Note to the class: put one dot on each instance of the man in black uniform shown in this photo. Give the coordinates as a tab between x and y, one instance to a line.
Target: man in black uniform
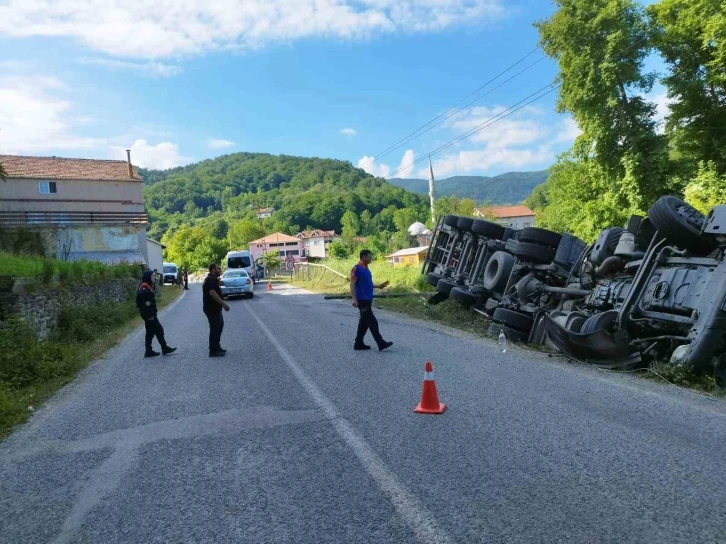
213	305
146	303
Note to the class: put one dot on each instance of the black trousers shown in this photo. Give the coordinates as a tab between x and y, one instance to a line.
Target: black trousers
154	328
367	321
186	284
216	326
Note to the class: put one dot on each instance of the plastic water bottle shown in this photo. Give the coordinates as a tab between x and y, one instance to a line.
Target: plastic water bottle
502	341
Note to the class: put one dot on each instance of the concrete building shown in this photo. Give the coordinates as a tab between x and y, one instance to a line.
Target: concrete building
83	208
154	255
284	244
518	217
412	256
317	242
421	233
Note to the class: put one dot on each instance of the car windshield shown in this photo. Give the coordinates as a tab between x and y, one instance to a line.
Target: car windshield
170	270
238	262
236	274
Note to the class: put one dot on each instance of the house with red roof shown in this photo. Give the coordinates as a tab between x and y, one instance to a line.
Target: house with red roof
518	217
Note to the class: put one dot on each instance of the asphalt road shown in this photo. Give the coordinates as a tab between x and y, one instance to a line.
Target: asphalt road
294	437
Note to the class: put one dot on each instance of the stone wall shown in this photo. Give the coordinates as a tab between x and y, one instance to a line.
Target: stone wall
41	307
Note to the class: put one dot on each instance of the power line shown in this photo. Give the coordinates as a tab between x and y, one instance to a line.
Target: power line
415	134
537	95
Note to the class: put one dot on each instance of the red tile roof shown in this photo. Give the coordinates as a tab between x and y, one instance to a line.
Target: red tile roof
274	238
520	210
317	232
17	166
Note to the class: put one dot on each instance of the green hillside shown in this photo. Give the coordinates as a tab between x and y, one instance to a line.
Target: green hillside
509	188
203	209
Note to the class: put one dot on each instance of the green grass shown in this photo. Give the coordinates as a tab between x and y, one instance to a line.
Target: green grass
31	371
402	280
45	270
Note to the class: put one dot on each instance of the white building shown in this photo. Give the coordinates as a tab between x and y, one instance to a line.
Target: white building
317	242
265	213
154	255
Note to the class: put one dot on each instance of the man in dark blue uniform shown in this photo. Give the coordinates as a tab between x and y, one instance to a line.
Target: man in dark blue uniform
146	303
361	289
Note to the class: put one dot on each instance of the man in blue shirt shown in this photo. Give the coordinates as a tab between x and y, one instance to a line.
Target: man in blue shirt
361	289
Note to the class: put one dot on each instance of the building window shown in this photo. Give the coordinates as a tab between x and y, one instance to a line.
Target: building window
527	224
293	252
410	259
48	188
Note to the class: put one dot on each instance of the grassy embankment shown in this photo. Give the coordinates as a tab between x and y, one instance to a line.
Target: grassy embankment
402	280
31	370
450	313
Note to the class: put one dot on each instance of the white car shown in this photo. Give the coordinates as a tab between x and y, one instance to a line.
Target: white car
237	283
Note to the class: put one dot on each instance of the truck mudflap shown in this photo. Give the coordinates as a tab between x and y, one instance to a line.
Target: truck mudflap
600	347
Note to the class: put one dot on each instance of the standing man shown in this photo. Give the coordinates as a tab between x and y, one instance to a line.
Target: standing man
213	306
186	280
361	289
180	278
157	283
146	303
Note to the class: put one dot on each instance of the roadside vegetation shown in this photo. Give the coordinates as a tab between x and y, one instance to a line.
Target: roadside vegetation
32	370
47	270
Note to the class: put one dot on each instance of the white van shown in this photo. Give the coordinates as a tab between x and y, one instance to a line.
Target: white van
241	259
170	271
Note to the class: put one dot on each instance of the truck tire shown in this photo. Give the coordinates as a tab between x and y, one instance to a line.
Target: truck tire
599	322
464	224
432	279
488	229
680	224
542	237
463	297
534	253
451	220
445	286
497	271
513	320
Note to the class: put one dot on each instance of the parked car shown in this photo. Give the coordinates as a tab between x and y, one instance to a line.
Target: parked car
170	272
237	283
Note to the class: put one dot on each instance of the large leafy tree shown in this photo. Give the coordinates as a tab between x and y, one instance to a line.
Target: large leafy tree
600	46
691	37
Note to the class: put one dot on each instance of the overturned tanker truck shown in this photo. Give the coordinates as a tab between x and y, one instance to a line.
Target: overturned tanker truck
653	289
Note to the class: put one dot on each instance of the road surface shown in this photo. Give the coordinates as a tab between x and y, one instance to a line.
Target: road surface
296	438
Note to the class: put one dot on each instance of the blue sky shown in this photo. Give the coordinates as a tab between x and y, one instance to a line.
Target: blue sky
178	82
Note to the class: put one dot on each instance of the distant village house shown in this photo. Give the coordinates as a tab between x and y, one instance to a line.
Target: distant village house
284	244
518	217
265	213
412	256
317	242
82	208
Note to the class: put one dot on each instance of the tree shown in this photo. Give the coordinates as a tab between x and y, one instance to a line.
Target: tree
404	218
691	37
707	189
601	46
242	232
350	225
365	222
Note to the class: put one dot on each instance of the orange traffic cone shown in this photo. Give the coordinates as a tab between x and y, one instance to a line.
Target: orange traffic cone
269	285
429	397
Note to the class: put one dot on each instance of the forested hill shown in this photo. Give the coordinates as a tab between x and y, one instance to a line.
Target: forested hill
305	192
509	188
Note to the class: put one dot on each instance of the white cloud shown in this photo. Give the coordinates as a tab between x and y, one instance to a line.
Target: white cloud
569	131
149	68
405	169
377	169
349	132
164	28
160	156
478	160
36	116
497	130
662	109
220	144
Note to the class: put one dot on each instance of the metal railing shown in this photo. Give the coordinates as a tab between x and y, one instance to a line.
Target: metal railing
29	219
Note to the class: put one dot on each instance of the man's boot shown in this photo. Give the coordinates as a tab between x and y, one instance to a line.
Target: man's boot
151	353
360	347
384	345
166	350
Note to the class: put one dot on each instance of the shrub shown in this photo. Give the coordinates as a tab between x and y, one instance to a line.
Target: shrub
48	270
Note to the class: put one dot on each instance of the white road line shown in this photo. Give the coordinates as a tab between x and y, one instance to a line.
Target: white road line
418	518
